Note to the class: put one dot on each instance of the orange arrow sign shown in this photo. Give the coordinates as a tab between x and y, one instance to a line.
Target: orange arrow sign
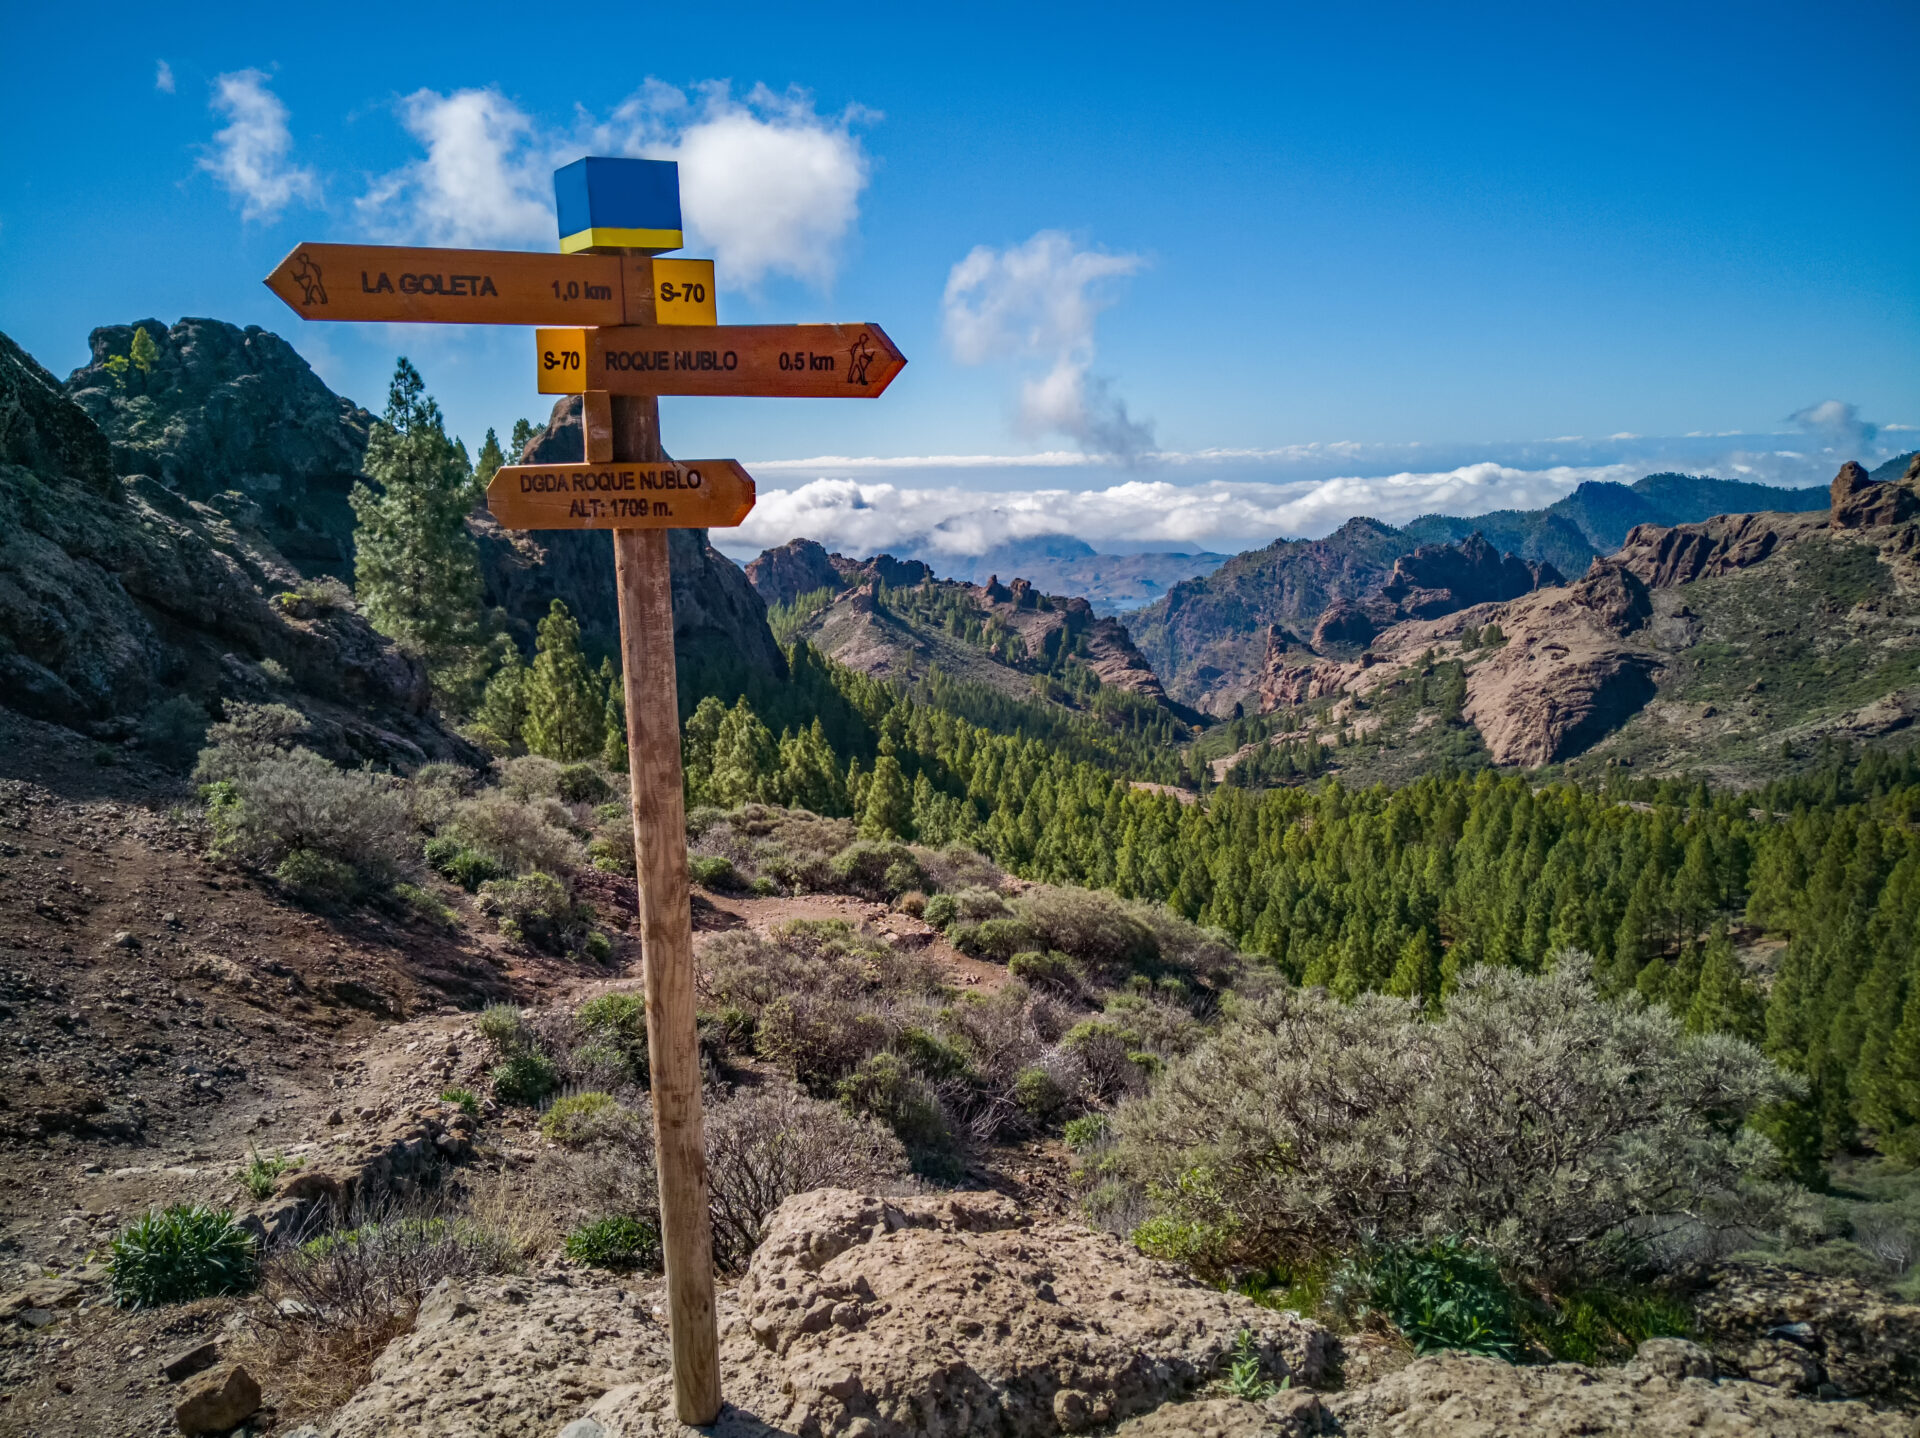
820	361
490	287
672	494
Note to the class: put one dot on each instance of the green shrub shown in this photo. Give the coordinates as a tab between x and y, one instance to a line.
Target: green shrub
1087	1133
715	871
524	1078
173	731
260	1175
1053	971
928	1054
616	1243
1445	1295
534	909
518	836
1091	926
1603	1325
318	878
1039	1094
939	911
464	1099
469	868
879	870
583	784
504	1027
180	1253
884	1088
268	805
619	1021
597	947
422	905
581	1119
998	939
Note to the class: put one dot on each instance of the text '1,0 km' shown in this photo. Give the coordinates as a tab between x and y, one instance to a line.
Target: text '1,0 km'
491	287
816	361
671	494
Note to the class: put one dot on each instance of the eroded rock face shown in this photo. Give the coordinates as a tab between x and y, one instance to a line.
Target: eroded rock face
956	1315
1437	579
1860	502
515	1359
226	408
798	567
116	593
1800	1330
1564	679
719	623
1452	1394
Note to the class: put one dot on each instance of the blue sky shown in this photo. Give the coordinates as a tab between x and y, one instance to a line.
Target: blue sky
1213	268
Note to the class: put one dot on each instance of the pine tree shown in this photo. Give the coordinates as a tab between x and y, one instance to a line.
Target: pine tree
1723	1000
888	813
503	706
565	708
745	758
698	736
613	750
142	353
489	462
416	571
524	431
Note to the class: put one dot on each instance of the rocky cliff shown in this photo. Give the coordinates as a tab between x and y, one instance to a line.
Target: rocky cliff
225	409
1696	645
118	592
720	634
802	566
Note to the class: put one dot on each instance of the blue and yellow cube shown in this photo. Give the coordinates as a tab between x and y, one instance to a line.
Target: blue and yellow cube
607	204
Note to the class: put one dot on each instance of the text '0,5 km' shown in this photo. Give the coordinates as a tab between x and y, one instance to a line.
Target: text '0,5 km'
672	494
817	361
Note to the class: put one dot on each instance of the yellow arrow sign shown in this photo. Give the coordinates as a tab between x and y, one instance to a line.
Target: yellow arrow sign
672	494
820	361
491	287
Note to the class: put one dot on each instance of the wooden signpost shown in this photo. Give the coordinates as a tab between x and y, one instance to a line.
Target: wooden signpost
621	339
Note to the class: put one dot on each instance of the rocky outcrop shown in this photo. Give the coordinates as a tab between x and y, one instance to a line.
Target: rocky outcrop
230	409
1662	558
514	1359
118	592
1861	502
957	1315
1811	1334
1564	679
1344	623
1437	579
1653	1397
798	567
720	634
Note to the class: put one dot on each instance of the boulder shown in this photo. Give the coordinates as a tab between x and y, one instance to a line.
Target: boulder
219	1402
1452	1394
1861	502
958	1315
1803	1331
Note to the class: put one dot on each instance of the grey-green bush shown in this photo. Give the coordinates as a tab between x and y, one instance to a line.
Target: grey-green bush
1555	1130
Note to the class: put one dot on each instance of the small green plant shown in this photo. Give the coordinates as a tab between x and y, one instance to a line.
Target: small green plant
617	1243
713	871
1086	1133
1603	1325
463	1099
469	868
524	1079
420	904
260	1175
1446	1295
180	1253
1244	1378
502	1027
619	1022
318	878
580	1118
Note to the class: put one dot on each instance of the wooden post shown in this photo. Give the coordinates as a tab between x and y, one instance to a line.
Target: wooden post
666	926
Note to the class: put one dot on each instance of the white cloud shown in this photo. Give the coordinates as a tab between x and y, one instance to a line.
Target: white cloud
1838	423
250	156
768	186
865	517
163	77
1039	300
482	181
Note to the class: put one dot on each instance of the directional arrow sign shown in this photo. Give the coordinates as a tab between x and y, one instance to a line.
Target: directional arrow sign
672	494
490	287
820	361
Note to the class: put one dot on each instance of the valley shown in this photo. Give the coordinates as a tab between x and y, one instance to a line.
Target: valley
1109	1022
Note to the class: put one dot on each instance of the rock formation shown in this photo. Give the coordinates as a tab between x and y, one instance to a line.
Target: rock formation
117	593
798	567
231	409
1860	502
720	634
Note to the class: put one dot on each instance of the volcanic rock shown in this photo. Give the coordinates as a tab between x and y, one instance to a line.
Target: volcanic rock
1860	502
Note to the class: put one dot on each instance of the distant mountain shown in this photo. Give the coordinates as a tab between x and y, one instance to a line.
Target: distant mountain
1060	564
1695	648
1207	639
